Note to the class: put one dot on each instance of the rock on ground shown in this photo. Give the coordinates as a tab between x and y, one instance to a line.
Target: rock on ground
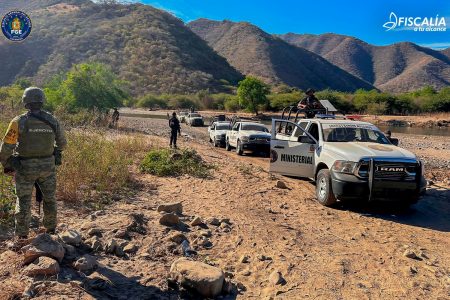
130	248
71	237
85	263
204	279
169	219
43	265
171	208
43	245
177	237
276	278
281	185
213	221
197	221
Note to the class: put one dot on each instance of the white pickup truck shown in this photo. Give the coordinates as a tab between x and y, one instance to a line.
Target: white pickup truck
349	160
248	136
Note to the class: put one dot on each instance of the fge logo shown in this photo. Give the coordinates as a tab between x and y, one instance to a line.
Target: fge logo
16	26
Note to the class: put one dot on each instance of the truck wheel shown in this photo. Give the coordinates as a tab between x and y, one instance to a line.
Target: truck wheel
210	140
324	191
227	146
216	143
239	150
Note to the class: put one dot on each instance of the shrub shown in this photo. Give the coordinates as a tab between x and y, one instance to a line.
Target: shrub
151	101
93	161
164	162
86	86
232	104
280	101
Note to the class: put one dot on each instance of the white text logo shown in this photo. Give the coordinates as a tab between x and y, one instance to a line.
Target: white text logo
415	23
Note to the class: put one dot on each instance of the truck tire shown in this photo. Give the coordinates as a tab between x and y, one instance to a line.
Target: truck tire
324	190
227	146
216	143
239	150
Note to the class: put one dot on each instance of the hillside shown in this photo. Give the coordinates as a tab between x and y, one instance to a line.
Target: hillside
396	68
252	51
446	52
149	48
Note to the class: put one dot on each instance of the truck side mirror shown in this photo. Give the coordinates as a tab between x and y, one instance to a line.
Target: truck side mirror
394	141
304	139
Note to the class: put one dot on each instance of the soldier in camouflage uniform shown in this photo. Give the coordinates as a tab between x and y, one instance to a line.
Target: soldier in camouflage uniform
29	148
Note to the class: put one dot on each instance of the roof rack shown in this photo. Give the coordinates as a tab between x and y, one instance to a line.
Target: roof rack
292	113
236	119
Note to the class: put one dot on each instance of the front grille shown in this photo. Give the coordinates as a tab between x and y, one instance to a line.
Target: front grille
389	170
260	140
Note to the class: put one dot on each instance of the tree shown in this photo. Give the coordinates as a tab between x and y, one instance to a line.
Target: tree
252	93
86	86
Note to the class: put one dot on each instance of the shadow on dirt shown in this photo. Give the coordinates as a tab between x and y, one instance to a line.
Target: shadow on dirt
114	285
432	211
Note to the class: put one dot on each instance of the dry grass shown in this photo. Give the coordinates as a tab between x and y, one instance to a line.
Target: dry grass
95	163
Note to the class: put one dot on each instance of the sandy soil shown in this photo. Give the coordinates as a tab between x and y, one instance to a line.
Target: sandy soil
348	252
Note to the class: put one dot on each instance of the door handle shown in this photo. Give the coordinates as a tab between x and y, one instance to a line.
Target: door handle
279	147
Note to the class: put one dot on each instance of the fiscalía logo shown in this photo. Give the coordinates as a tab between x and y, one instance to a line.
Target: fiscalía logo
16	26
415	23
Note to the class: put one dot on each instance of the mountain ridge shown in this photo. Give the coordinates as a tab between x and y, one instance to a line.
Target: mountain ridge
149	48
254	52
398	67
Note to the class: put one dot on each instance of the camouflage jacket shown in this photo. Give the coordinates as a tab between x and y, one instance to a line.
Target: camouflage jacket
31	137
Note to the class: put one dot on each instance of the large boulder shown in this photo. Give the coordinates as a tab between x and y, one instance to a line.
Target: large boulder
204	279
171	208
43	245
43	265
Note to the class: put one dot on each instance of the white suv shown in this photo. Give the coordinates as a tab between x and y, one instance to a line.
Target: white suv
217	132
248	136
347	159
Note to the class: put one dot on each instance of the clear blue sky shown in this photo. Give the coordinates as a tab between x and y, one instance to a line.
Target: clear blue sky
361	19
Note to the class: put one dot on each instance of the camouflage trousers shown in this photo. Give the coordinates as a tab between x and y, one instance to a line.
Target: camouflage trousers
43	172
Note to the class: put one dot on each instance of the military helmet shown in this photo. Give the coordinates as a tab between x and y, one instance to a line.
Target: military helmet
310	91
33	95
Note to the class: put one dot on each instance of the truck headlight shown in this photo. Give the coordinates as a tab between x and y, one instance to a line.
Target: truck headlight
245	138
344	166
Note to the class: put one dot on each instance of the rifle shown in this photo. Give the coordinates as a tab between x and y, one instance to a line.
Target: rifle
39	196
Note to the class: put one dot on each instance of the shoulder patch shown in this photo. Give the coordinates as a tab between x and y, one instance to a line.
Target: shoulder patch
12	134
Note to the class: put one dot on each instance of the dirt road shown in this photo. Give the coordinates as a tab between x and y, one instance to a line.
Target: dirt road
322	253
348	253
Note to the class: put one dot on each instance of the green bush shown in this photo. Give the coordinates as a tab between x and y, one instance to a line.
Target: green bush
86	86
231	104
280	101
164	162
152	101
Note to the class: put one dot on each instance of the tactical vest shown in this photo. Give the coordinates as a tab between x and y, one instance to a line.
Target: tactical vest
36	138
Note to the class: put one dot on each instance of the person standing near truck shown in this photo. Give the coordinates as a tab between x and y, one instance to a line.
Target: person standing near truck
309	103
175	130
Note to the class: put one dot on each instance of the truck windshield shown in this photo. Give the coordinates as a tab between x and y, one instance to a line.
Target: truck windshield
254	127
223	127
194	115
354	134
